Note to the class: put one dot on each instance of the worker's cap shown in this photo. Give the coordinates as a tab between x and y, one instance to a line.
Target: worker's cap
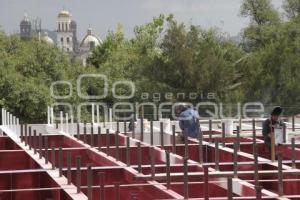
276	110
181	107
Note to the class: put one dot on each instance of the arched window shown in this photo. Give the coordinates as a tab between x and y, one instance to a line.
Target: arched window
68	40
62	40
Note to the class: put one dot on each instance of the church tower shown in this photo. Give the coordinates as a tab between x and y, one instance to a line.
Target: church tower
25	27
74	31
65	31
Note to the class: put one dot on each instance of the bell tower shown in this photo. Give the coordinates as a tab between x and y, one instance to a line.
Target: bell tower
65	31
25	27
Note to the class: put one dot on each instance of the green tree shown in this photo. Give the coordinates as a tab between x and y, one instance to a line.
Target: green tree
27	68
112	43
166	56
264	22
271	70
292	8
260	12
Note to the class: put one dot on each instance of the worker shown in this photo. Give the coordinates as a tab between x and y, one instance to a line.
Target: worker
270	124
189	121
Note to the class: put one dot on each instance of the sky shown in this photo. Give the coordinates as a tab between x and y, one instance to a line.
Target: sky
104	15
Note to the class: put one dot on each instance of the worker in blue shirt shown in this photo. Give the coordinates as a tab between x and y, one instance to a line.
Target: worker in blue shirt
189	122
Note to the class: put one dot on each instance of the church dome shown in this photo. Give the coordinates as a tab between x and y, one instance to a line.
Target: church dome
90	41
47	39
64	14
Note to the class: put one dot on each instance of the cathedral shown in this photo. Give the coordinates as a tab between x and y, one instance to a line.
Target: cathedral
64	37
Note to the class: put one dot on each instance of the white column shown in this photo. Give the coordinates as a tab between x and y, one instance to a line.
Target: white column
18	126
67	123
240	124
52	116
167	124
48	115
61	121
14	124
97	110
6	118
11	121
110	118
2	116
105	120
72	125
93	113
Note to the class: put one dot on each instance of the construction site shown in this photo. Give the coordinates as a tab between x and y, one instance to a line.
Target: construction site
63	160
150	100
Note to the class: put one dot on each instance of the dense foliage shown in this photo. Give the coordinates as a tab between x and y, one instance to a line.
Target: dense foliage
271	71
27	69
